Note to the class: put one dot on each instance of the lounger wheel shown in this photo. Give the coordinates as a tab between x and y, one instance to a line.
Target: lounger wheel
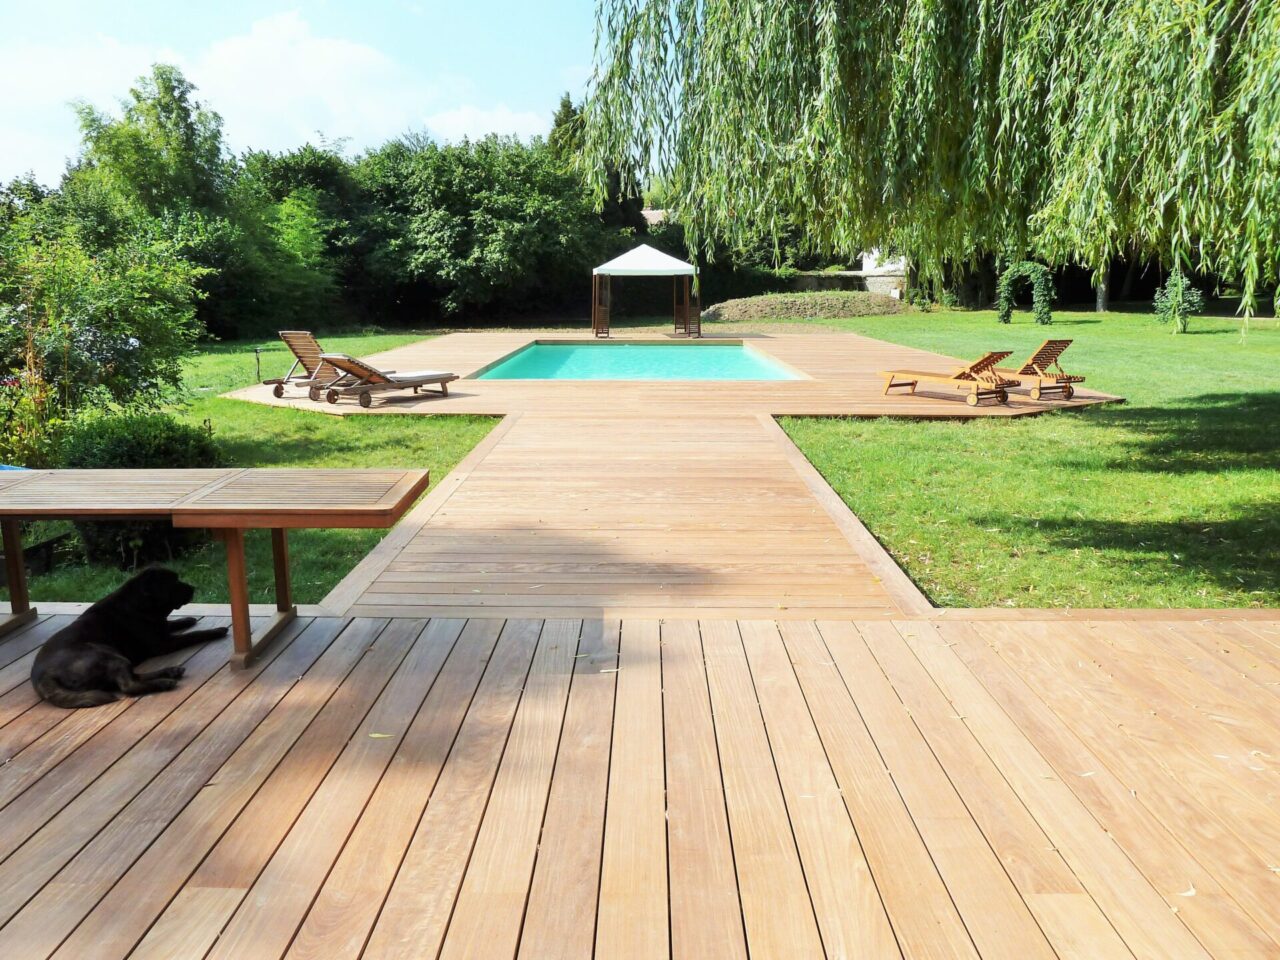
1068	392
366	399
1035	393
278	391
314	394
1003	396
971	399
331	396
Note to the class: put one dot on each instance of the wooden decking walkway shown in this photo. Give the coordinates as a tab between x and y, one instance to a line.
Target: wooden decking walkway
1042	787
614	516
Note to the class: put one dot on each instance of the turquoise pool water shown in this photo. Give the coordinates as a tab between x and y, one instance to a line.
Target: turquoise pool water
637	361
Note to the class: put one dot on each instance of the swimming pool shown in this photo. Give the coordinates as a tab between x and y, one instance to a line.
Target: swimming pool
637	361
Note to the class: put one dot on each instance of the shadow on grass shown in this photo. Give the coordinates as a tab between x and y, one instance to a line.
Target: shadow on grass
1214	431
1241	554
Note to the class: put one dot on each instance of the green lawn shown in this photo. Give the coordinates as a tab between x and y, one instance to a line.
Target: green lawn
1169	500
1172	499
254	436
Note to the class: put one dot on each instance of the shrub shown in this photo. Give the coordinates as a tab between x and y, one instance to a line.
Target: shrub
819	305
1041	291
1177	300
136	441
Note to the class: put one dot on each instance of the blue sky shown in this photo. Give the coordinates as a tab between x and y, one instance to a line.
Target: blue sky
278	73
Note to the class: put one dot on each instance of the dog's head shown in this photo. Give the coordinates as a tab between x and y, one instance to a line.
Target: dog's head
161	590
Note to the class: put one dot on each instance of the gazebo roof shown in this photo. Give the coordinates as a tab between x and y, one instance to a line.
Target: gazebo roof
644	261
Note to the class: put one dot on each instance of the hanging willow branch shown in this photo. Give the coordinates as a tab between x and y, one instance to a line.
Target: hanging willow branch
1067	130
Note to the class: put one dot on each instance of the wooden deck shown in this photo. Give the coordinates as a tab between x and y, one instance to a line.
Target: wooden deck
612	516
1012	788
841	377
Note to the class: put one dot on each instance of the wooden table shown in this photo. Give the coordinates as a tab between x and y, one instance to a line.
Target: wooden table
226	501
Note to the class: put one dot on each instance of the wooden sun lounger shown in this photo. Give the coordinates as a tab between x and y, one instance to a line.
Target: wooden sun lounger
229	502
316	373
363	380
978	378
1043	372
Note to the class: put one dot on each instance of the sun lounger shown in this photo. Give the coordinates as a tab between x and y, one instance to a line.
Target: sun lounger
363	381
979	378
1043	373
316	374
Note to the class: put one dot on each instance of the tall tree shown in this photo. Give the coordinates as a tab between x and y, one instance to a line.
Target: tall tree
164	151
1070	130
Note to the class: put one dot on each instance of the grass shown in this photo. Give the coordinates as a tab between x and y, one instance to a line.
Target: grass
1169	500
257	436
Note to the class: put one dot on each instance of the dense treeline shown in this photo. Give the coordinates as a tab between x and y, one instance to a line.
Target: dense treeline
1072	131
158	236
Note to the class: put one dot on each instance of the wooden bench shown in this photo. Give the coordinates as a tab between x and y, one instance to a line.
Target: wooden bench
228	502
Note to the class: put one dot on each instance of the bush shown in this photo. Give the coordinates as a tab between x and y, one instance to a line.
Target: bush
1177	300
494	224
1042	292
819	305
136	441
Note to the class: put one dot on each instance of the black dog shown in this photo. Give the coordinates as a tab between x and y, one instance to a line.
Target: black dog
90	661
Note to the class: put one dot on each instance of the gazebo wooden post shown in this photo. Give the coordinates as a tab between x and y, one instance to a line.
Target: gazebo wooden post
601	293
686	321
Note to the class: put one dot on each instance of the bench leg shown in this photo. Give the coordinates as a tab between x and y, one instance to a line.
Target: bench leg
15	571
247	645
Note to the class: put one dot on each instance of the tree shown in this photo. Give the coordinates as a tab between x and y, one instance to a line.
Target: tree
565	138
164	151
1067	130
83	328
493	223
1177	301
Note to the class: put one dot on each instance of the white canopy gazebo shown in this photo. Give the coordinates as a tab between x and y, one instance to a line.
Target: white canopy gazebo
645	261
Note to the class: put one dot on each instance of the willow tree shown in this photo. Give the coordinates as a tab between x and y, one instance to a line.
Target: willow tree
1066	130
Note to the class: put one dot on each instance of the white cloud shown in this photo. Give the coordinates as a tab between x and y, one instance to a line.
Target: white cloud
276	86
474	122
280	83
38	130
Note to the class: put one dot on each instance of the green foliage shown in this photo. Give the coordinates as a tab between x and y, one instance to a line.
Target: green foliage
492	224
565	138
1041	291
83	327
1069	130
1177	300
136	441
164	152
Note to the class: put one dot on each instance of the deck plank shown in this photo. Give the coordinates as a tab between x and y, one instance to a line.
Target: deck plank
973	863
220	901
776	908
560	919
1153	826
490	908
348	903
315	716
706	914
417	909
633	918
924	918
850	912
1003	787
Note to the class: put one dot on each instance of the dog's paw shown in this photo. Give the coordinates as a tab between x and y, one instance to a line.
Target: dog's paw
222	631
166	683
173	673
